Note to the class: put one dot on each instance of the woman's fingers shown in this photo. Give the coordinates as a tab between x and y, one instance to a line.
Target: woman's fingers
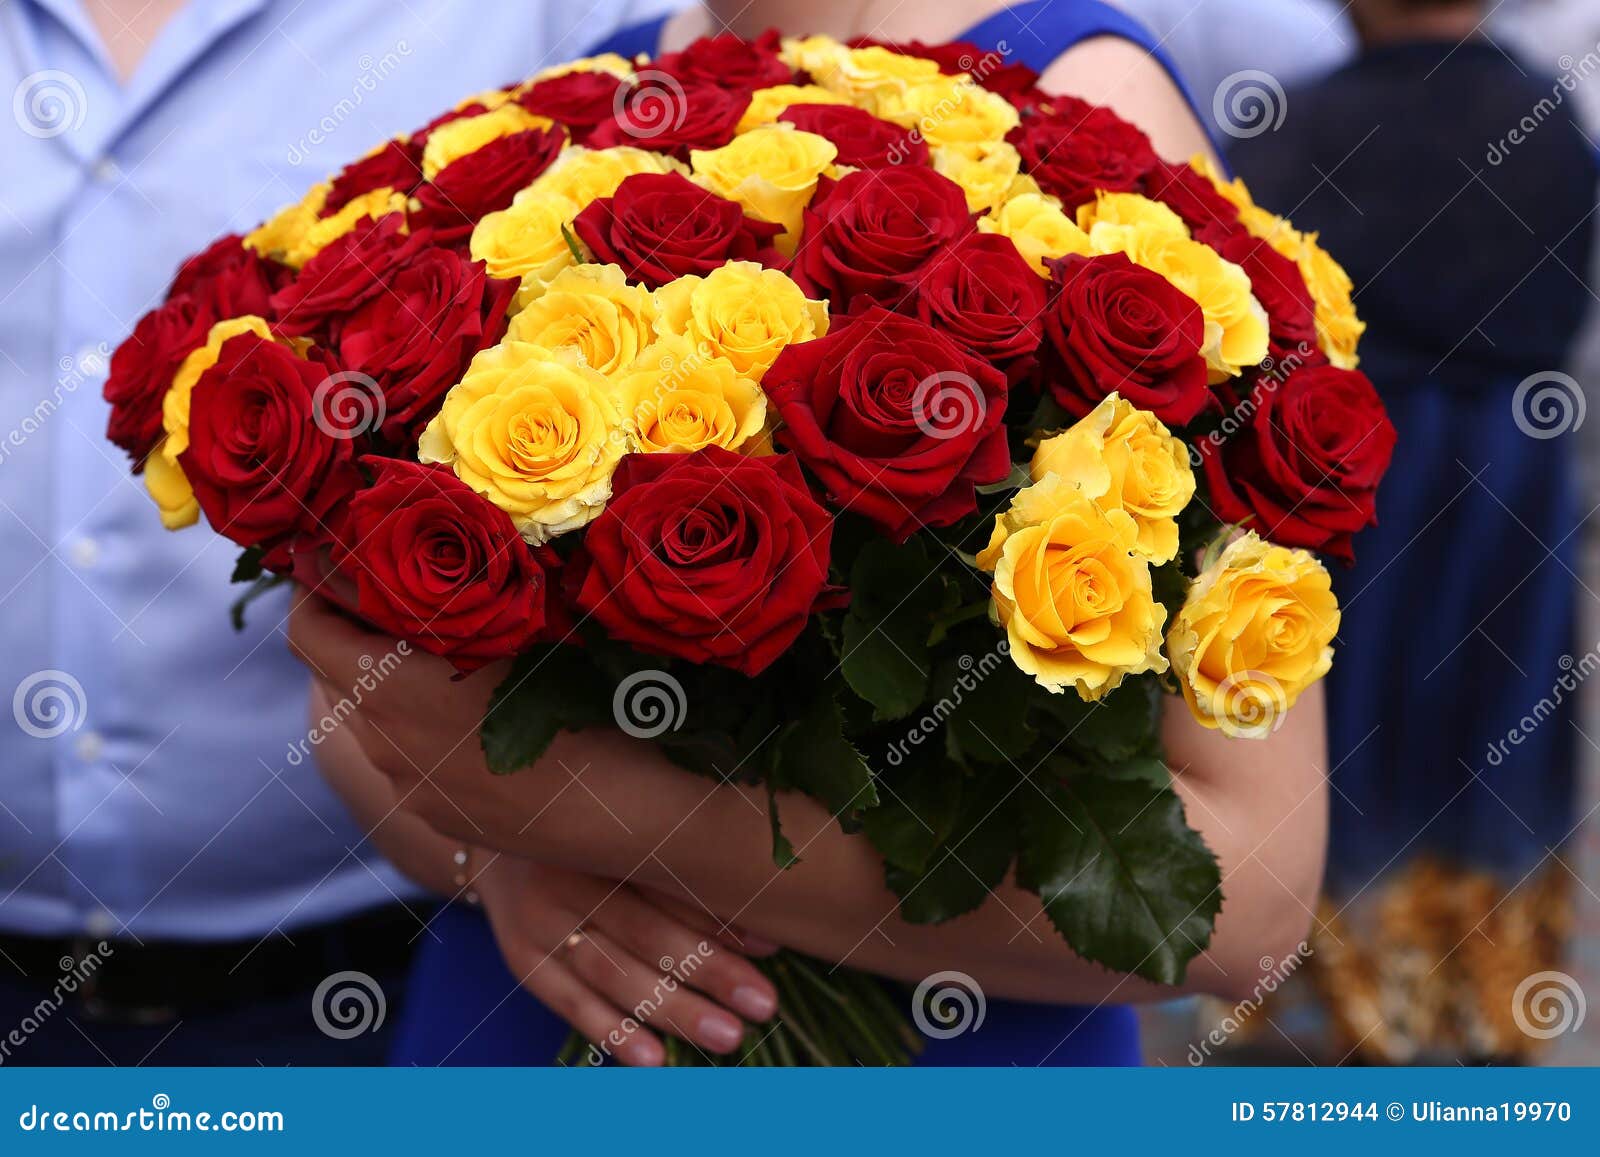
687	954
661	1000
560	989
741	940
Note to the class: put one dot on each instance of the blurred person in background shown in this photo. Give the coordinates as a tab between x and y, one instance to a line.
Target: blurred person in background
1292	42
1460	194
176	882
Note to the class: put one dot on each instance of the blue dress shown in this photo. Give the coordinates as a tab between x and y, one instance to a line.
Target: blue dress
463	1006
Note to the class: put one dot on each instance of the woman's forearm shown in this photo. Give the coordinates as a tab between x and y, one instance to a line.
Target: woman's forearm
406	840
603	803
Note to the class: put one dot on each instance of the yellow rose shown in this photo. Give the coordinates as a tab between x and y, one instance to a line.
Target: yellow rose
767	104
1338	328
1038	228
741	312
987	173
1236	323
1255	631
677	398
283	231
610	62
1234	192
170	489
950	111
1071	591
535	432
582	175
1127	211
870	76
323	231
771	171
593	311
817	55
1123	458
525	239
175	403
450	142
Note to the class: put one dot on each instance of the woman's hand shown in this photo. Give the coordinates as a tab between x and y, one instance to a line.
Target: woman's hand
616	962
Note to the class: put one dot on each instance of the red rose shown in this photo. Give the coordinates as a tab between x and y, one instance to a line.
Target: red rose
416	339
419	139
1191	195
1281	289
483	182
729	61
863	140
351	269
868	233
984	295
264	468
141	370
397	165
580	101
661	226
664	116
230	280
898	422
988	69
1076	149
711	557
435	564
1116	327
1306	472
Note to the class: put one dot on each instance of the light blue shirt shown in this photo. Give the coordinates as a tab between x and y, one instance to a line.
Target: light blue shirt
147	785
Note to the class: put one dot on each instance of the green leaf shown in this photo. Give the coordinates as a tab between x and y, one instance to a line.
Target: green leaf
989	700
1123	877
572	244
972	863
894	594
1123	724
260	586
1019	477
550	689
815	757
921	800
782	850
248	568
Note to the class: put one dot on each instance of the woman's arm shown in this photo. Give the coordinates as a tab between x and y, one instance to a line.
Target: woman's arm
1124	77
605	804
590	948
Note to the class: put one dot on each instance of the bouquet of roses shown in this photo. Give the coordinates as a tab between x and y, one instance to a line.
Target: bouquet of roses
850	420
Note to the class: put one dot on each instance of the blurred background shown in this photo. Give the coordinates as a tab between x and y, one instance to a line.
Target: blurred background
1446	151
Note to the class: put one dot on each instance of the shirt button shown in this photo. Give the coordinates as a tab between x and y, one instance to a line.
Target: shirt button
84	553
99	923
106	171
90	361
88	746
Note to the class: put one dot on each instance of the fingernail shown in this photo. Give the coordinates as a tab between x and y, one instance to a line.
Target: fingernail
754	1003
643	1052
756	945
719	1032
